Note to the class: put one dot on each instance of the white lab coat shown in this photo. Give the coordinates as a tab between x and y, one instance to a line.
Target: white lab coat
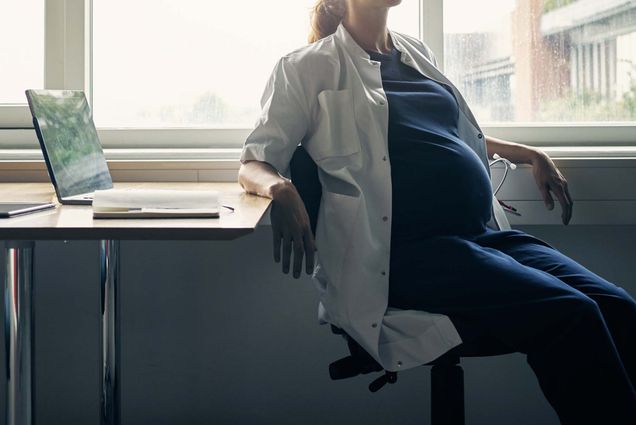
328	96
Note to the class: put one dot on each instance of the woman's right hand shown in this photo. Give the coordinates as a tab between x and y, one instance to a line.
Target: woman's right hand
291	228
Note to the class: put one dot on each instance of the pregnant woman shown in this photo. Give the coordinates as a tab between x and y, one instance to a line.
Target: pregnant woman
409	258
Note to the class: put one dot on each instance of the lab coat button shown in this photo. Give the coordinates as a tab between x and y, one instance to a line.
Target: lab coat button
385	218
383	273
399	363
480	135
381	102
374	325
384	158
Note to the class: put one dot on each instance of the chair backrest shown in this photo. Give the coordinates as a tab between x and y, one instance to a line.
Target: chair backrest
304	176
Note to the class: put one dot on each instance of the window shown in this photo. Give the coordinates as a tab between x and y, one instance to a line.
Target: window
190	73
194	63
21	57
21	49
543	61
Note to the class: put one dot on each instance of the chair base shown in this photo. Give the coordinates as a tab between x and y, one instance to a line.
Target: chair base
447	394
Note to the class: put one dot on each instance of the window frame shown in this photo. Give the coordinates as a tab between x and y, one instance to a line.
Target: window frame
68	35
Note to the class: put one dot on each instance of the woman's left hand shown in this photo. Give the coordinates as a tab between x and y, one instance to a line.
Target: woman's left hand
549	179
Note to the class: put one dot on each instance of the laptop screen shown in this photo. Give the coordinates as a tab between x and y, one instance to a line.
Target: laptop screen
69	141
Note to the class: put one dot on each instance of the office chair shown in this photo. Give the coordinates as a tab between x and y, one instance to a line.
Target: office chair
447	375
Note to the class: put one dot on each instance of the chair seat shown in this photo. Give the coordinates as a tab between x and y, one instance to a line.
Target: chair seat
485	346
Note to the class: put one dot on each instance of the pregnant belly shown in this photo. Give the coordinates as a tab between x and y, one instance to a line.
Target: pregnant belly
439	188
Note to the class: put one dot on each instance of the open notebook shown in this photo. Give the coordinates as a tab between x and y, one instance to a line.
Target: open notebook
155	203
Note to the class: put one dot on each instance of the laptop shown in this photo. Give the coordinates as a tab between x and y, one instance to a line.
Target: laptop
74	158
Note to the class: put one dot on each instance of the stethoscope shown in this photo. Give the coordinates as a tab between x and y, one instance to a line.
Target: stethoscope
507	166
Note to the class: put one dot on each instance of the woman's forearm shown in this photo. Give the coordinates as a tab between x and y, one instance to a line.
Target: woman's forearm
515	152
260	178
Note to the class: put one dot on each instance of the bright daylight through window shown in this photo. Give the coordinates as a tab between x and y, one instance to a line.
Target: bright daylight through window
196	63
21	49
543	60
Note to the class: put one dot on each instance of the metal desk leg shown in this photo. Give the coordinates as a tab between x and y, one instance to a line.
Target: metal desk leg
109	266
18	331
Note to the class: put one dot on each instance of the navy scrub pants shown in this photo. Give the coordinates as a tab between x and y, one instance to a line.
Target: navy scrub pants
577	329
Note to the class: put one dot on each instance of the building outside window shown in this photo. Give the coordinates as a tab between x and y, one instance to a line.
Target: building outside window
544	60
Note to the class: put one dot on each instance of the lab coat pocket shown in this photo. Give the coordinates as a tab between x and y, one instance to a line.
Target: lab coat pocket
336	231
335	133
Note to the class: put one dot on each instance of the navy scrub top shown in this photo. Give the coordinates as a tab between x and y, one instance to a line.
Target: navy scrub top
440	186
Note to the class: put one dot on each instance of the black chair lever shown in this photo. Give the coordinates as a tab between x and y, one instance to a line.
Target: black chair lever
387	378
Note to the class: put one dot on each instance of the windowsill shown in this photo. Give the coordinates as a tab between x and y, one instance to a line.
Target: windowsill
599	178
174	165
136	155
195	155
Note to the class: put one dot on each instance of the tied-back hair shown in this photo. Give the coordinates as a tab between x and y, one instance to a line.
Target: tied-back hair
326	15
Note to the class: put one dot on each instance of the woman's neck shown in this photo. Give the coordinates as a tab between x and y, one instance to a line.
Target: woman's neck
368	28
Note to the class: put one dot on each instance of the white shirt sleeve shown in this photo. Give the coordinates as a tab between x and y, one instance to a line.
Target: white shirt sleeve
283	122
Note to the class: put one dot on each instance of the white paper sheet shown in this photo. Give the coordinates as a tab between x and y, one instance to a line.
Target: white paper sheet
116	199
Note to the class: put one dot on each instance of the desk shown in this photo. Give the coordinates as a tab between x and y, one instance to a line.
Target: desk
75	223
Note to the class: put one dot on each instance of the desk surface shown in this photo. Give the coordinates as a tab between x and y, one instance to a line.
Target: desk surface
70	222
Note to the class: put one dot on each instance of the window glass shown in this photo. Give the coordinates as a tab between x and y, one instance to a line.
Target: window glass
21	49
543	60
191	63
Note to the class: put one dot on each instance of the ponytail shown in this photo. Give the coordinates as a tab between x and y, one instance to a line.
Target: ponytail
326	15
